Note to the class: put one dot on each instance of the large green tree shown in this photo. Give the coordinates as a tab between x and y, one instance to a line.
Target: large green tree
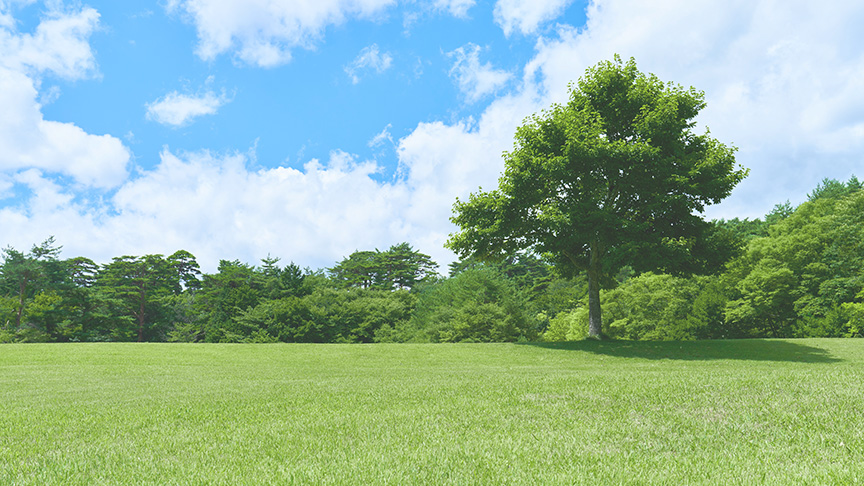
615	176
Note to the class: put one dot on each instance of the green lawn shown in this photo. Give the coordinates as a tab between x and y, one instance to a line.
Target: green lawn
718	412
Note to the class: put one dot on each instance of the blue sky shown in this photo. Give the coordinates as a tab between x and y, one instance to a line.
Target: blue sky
309	129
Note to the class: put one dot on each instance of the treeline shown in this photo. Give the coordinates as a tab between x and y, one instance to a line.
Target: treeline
797	272
370	296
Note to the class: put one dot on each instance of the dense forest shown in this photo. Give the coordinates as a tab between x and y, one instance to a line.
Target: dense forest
797	272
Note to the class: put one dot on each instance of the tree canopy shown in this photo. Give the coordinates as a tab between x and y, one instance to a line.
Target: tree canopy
400	267
799	273
614	177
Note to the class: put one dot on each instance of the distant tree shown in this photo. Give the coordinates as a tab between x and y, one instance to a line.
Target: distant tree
744	229
614	177
547	292
136	287
834	189
653	307
20	273
779	213
279	282
359	269
287	319
400	267
25	275
185	271
224	295
292	281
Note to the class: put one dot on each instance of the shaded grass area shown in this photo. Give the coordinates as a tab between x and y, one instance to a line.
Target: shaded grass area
716	412
751	350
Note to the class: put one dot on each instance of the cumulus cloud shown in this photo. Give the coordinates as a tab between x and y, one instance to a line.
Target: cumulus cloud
784	85
263	32
475	80
369	59
526	16
59	46
216	206
176	109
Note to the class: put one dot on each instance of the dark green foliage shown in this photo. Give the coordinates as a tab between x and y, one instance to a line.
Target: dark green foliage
650	306
744	229
796	281
706	319
477	305
135	289
548	293
615	177
400	267
653	307
797	272
278	283
287	319
24	274
224	296
41	293
834	189
800	274
356	315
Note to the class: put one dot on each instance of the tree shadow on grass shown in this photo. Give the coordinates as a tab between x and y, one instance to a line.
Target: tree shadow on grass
743	349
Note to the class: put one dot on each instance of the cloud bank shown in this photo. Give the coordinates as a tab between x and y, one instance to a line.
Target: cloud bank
785	83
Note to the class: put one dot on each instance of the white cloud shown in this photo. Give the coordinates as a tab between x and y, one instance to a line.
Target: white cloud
527	16
263	32
475	80
381	138
369	59
456	8
217	207
783	82
788	90
177	109
59	46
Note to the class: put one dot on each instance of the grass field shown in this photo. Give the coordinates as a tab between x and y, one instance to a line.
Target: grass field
718	412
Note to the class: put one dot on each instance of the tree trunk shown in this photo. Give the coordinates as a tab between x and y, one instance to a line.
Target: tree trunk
595	321
22	289
141	302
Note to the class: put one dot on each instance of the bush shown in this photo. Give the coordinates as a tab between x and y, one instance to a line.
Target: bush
568	326
477	305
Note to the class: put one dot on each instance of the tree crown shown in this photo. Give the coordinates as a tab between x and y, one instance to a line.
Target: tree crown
617	168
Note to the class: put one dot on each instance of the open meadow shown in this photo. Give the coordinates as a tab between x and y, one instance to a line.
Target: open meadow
613	412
